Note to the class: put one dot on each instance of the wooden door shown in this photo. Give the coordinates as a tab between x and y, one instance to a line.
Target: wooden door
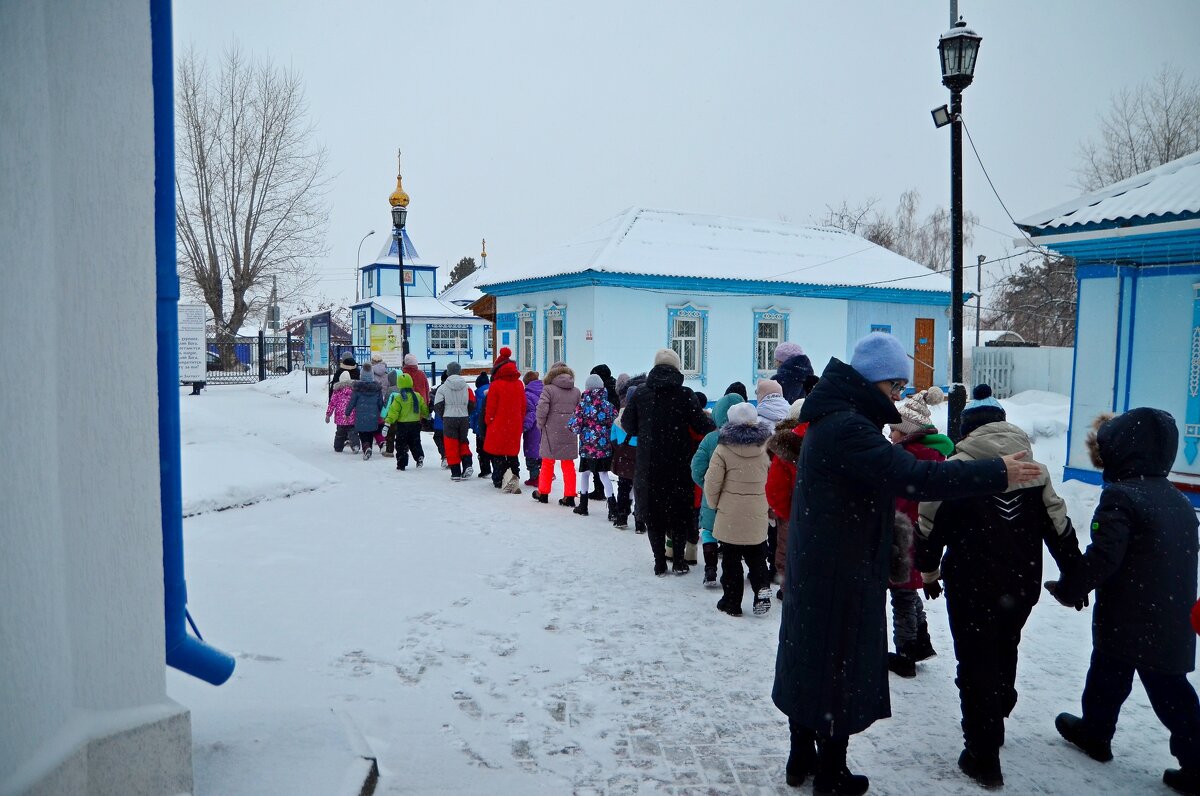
923	354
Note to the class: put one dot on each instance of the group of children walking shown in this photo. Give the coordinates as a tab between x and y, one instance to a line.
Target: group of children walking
986	550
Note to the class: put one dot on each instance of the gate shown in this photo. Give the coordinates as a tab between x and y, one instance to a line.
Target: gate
245	360
994	367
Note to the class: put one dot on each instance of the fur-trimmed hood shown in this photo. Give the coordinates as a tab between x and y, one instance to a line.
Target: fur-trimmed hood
785	442
749	439
560	370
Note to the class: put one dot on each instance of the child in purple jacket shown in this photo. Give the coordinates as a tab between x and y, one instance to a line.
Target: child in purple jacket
533	434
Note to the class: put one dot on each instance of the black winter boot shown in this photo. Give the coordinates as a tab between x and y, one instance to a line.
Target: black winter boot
901	665
540	498
1182	780
581	509
833	778
921	649
984	768
710	566
612	509
567	501
1074	730
802	759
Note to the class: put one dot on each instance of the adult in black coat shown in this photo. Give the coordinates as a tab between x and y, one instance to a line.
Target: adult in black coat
993	575
1142	564
831	667
794	370
346	365
660	415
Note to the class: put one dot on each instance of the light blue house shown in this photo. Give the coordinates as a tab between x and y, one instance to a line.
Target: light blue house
1136	246
439	330
722	291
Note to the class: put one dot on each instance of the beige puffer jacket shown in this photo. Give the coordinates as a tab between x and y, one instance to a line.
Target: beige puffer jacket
736	483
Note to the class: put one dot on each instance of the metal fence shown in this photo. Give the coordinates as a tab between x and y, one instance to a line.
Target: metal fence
244	360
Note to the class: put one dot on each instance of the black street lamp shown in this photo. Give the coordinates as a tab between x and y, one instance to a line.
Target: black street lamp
399	202
958	48
399	216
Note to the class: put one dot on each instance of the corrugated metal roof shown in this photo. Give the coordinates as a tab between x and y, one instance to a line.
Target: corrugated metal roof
1168	190
670	243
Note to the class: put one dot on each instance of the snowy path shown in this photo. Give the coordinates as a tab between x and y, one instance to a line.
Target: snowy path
487	644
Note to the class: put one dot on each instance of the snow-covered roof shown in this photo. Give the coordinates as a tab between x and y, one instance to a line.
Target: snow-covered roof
467	288
1170	189
421	307
990	336
670	243
387	255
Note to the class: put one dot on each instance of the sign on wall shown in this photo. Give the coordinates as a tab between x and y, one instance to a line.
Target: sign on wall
386	340
192	358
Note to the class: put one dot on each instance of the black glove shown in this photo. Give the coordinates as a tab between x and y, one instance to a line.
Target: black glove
933	590
1078	604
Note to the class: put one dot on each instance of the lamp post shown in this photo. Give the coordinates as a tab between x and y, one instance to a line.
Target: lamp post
399	202
399	216
358	264
958	48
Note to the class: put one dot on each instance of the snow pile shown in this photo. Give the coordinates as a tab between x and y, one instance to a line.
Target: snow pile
224	467
292	387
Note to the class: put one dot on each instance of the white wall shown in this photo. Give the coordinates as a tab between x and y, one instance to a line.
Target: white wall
1161	355
1095	358
81	598
1046	368
628	326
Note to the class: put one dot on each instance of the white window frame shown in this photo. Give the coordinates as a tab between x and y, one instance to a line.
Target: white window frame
764	346
526	343
449	338
697	338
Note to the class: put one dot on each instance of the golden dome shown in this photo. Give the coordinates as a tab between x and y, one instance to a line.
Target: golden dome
398	198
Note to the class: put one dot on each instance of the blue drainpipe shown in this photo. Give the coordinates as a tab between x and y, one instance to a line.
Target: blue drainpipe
185	653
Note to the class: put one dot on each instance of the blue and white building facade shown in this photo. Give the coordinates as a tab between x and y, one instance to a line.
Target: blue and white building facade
723	292
1136	246
439	330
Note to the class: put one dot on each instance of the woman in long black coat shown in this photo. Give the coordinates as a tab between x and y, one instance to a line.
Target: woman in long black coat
831	668
660	415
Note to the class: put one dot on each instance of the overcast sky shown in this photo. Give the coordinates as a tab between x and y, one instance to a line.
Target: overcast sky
528	121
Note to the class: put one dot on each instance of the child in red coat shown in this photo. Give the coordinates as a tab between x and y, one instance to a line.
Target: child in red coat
910	630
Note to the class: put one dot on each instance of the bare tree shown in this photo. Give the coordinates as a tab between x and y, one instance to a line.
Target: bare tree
250	186
1154	123
1037	301
924	240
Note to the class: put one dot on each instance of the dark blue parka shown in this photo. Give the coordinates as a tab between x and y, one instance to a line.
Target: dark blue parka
1142	559
366	402
831	667
791	376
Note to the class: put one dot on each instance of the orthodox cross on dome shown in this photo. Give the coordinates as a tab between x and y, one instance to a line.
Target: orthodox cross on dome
398	198
483	254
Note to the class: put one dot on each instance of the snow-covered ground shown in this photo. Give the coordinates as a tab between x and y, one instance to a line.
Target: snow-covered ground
482	643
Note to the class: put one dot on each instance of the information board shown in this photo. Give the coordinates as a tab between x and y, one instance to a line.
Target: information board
192	356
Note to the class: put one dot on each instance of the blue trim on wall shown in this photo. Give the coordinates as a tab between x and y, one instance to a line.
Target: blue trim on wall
1120	326
693	284
526	313
1150	249
1133	278
1144	271
1086	476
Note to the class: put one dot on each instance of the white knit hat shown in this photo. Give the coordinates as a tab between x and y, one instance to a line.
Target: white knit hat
743	414
667	356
